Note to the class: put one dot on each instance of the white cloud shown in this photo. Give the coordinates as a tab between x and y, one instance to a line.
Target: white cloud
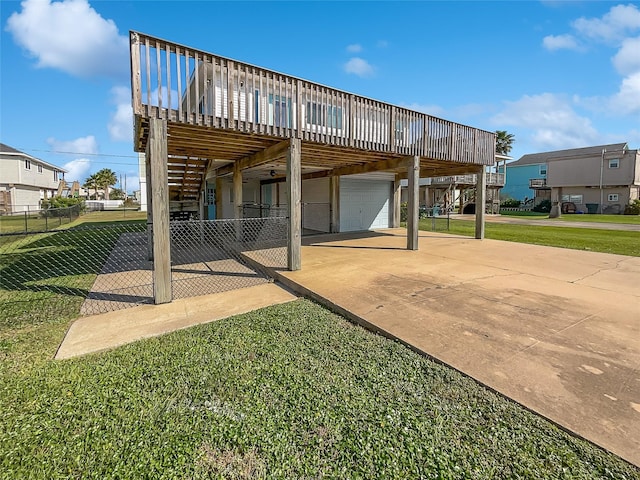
354	48
616	24
382	44
558	42
82	145
120	124
627	60
71	36
77	170
358	66
618	27
627	100
554	122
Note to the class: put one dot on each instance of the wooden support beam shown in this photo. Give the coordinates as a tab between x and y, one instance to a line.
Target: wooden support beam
380	165
397	201
481	195
413	172
157	159
294	188
267	155
237	191
147	167
334	204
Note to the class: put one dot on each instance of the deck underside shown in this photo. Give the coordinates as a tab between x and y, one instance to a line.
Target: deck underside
194	149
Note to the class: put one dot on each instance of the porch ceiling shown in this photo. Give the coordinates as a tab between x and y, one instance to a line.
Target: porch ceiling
194	149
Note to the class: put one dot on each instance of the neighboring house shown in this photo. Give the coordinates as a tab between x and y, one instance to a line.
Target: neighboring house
598	179
25	180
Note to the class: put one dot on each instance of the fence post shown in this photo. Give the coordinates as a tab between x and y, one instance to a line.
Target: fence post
26	220
46	221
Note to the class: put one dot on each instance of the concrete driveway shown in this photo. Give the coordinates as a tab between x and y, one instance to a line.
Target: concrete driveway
557	330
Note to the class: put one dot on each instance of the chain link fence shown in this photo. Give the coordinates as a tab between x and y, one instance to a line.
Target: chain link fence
89	269
211	256
95	269
434	219
38	219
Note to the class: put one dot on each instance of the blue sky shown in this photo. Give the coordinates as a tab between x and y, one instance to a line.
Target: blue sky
555	74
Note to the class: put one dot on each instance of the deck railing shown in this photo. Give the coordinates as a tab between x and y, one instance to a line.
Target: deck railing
493	179
537	183
186	85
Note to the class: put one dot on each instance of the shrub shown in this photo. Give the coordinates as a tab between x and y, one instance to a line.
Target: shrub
510	203
61	206
544	206
633	208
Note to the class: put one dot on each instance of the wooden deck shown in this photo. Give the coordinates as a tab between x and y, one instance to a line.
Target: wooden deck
220	111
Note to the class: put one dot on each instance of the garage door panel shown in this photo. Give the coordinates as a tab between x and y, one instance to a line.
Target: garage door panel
364	204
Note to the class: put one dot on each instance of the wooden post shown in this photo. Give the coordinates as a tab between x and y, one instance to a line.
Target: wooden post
294	180
237	190
157	159
147	167
136	89
481	194
413	176
397	201
334	204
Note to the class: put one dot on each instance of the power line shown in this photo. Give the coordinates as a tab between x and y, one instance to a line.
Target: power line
81	153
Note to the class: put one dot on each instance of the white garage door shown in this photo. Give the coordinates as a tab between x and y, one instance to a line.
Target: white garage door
364	204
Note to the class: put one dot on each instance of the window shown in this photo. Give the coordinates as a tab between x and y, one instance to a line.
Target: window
614	163
543	169
324	115
27	164
612	197
39	168
279	111
577	199
55	175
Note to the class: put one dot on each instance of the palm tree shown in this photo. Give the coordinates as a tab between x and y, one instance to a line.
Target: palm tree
91	182
504	141
105	179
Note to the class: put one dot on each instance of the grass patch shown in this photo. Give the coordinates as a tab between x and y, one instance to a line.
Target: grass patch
46	277
31	222
597	218
606	241
110	216
290	391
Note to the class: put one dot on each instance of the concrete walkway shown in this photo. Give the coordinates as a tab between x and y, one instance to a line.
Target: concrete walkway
112	329
548	222
557	330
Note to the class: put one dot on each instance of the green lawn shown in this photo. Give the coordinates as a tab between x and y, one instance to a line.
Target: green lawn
524	213
290	391
596	218
607	241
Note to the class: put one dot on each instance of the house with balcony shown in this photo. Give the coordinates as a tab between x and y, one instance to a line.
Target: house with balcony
223	139
26	180
597	179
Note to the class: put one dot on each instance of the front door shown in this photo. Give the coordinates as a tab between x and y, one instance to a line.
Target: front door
211	201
